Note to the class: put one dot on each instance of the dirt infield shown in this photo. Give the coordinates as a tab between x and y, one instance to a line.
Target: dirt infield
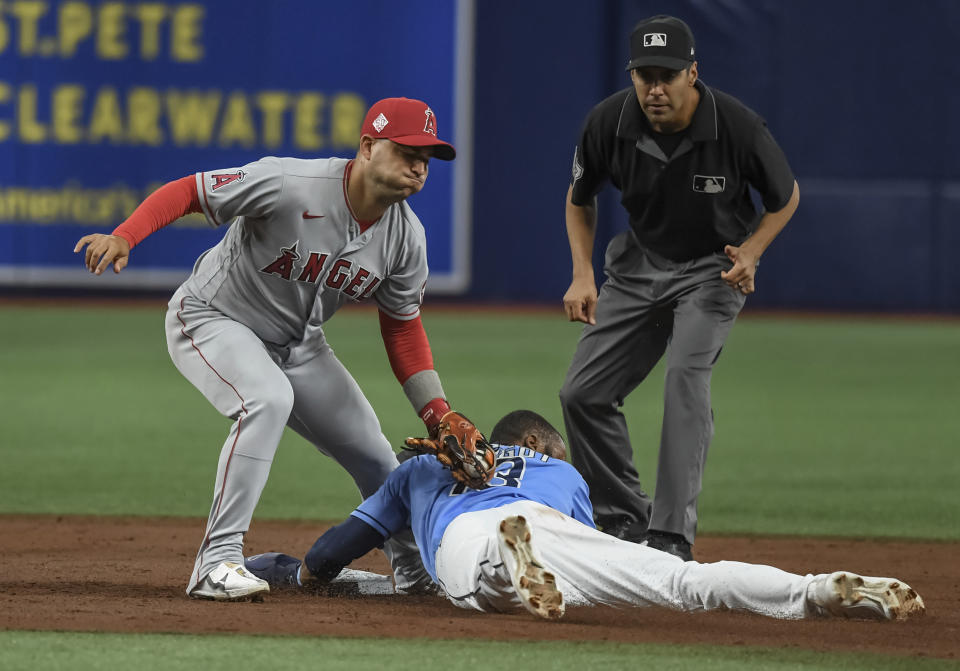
127	575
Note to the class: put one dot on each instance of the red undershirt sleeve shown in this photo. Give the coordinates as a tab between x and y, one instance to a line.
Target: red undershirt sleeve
164	206
407	346
412	362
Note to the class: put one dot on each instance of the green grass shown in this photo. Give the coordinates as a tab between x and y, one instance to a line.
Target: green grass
51	651
823	426
837	426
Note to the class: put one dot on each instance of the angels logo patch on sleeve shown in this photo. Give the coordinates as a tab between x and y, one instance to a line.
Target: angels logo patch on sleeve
222	179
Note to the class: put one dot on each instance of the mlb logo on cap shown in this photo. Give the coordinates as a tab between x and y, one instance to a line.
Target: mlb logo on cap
655	40
661	41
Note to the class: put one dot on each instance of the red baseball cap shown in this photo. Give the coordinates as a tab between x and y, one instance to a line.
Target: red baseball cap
406	121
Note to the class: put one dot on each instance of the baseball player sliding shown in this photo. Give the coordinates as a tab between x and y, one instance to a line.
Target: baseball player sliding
528	539
246	328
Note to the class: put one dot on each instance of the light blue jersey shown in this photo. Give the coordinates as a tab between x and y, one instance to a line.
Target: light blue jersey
422	494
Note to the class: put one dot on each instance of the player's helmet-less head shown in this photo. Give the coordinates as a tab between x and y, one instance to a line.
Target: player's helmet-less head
661	41
521	426
408	122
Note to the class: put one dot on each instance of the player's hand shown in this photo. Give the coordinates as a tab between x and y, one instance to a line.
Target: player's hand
580	301
102	250
740	277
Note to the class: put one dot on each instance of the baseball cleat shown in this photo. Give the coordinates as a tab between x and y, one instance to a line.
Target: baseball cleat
849	595
230	582
623	527
279	570
536	587
674	544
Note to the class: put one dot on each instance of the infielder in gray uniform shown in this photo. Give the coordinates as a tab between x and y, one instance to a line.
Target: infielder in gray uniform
684	157
246	328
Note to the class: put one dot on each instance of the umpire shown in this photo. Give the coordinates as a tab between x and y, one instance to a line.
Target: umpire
683	157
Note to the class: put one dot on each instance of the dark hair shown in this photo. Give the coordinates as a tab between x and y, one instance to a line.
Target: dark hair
517	425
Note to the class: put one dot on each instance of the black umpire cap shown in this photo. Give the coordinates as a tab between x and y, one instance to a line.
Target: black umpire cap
661	41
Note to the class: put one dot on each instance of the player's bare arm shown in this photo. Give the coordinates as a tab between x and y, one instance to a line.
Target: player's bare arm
747	255
103	250
580	301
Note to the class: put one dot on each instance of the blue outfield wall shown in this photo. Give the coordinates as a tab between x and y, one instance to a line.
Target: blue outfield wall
861	95
102	102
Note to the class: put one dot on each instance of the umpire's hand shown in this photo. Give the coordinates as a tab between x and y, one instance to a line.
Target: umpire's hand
580	301
102	250
740	277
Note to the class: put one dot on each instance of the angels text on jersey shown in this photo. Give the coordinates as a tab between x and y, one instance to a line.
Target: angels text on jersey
350	278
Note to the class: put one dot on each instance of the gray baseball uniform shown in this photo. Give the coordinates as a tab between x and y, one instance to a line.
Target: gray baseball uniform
246	328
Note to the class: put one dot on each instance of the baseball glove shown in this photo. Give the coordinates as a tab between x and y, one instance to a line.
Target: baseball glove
461	447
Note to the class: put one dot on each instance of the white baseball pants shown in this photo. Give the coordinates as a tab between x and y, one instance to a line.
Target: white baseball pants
593	568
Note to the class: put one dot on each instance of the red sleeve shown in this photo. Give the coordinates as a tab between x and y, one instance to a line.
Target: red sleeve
409	352
164	206
407	346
